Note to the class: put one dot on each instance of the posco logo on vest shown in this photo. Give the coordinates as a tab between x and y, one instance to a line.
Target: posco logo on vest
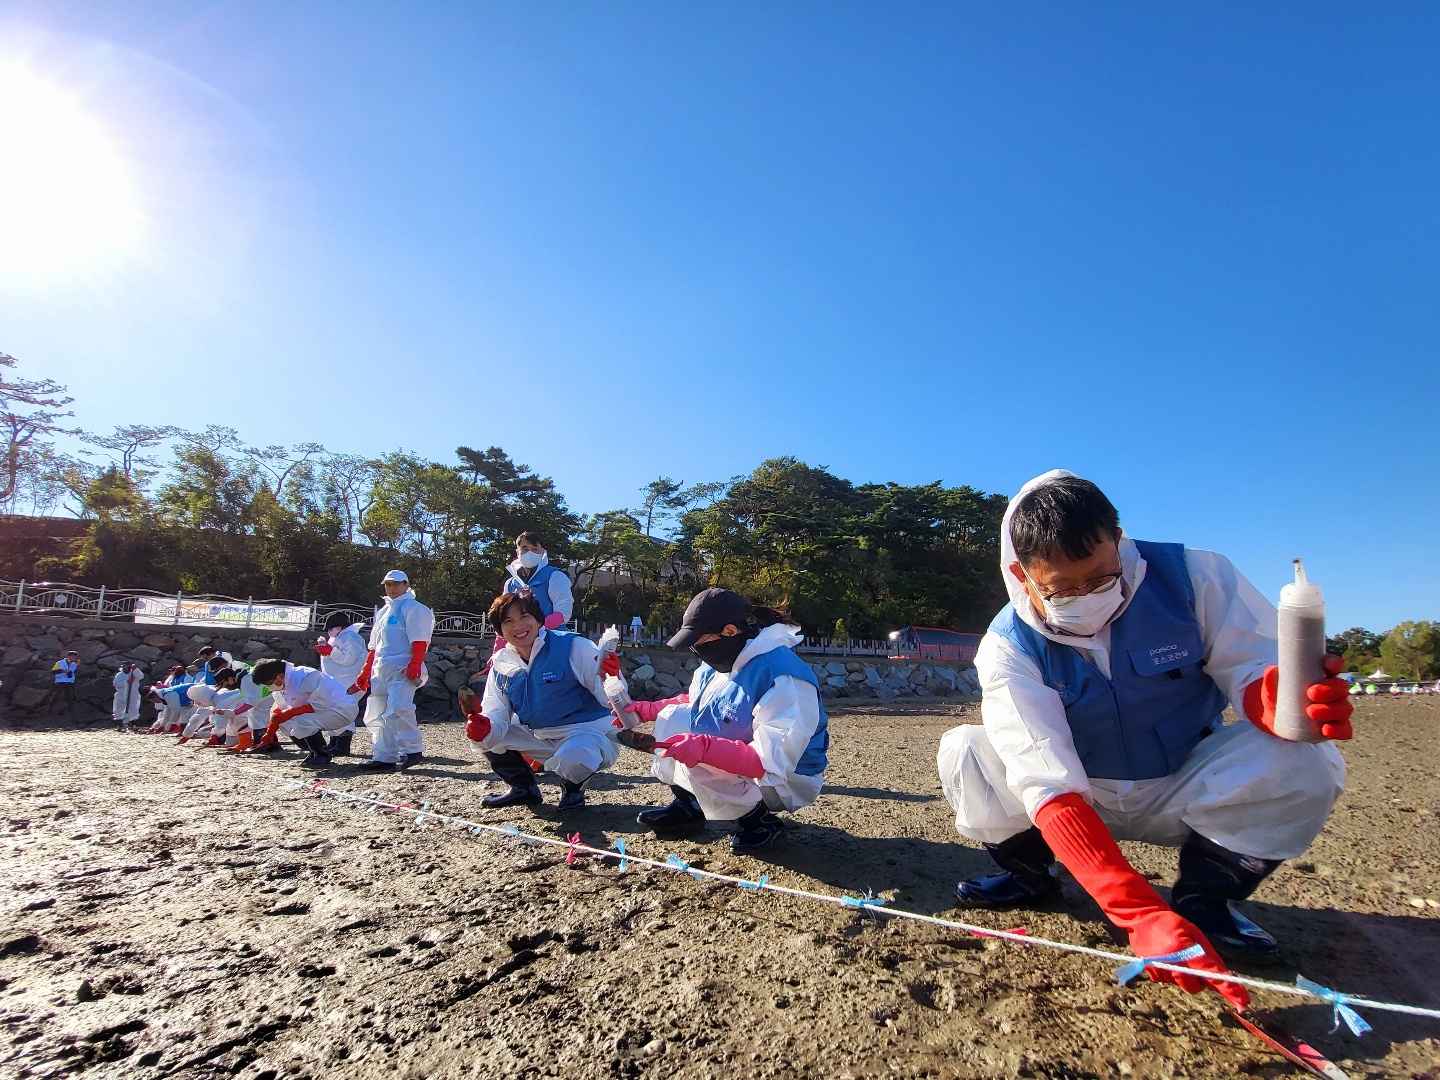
1168	654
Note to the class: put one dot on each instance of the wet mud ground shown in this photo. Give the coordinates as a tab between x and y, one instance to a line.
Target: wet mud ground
168	916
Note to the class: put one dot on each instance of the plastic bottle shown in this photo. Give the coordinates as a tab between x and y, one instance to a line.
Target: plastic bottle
617	691
1302	657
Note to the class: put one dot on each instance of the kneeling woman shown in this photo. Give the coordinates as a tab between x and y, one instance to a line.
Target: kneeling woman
545	698
751	736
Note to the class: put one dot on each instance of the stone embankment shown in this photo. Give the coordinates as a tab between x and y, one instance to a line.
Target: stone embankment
29	646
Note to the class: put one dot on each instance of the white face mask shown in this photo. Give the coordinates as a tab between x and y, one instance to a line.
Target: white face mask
1086	615
531	559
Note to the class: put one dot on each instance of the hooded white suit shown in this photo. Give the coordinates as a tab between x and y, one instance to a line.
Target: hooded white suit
390	712
1246	790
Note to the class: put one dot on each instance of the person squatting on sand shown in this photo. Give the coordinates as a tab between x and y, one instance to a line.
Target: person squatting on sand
750	737
306	704
1103	685
342	656
394	669
544	698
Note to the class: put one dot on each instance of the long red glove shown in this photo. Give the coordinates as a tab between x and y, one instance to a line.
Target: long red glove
1329	700
271	729
647	711
279	716
324	648
477	724
417	657
1080	840
362	681
610	663
554	621
727	755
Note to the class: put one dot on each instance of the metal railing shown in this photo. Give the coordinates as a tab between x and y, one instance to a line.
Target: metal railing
149	608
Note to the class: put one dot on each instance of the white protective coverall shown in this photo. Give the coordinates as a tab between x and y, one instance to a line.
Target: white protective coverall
260	701
334	709
390	712
1242	788
214	709
785	720
345	659
126	704
572	752
174	708
560	595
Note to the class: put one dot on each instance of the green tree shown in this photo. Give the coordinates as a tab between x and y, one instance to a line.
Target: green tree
29	410
1359	647
1412	650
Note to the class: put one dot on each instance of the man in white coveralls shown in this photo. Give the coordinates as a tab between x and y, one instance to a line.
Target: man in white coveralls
1103	683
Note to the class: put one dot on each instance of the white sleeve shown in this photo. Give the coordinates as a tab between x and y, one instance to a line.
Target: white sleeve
120	680
307	687
561	599
1026	722
1237	624
419	623
585	666
495	706
349	650
785	720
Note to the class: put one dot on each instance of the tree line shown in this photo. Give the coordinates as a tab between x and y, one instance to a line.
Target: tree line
1408	651
203	511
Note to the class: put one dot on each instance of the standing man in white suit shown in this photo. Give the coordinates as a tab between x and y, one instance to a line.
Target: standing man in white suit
393	671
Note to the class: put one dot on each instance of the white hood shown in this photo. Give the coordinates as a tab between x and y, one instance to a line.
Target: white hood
779	636
1131	565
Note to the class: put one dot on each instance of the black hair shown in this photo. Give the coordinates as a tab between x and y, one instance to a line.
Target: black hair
205	650
763	615
531	538
216	663
1066	516
338	619
229	674
528	606
267	671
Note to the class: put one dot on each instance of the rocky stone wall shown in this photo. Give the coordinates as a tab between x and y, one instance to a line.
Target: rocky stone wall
29	646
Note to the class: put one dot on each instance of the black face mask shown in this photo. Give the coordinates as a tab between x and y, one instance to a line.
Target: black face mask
722	653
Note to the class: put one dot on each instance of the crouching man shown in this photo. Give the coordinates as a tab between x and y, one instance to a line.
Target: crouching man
1103	683
306	704
545	698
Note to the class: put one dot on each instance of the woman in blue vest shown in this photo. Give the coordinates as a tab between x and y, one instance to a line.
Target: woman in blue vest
532	571
751	736
544	698
1104	684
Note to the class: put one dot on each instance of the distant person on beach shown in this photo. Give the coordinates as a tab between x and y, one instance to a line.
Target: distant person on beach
63	688
750	737
545	698
1104	681
128	690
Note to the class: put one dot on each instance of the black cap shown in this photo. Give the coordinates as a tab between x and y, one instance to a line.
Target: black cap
709	613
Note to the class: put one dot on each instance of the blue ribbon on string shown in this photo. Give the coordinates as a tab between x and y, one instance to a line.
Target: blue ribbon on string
863	902
681	864
1340	1003
754	884
478	830
1126	972
620	847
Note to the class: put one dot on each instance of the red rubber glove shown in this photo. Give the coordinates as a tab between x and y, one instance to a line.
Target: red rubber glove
417	658
1329	706
279	716
647	711
609	663
554	621
727	755
270	732
477	724
1080	840
362	681
324	648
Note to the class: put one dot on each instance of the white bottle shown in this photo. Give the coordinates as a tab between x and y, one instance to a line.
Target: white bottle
617	691
1302	657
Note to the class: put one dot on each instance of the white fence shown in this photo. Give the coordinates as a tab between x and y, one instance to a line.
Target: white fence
819	646
149	608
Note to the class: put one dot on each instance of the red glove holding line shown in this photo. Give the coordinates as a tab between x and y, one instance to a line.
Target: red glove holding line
727	755
417	658
609	663
1080	840
362	681
279	716
1329	706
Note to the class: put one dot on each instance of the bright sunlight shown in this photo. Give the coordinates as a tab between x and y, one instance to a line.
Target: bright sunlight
65	198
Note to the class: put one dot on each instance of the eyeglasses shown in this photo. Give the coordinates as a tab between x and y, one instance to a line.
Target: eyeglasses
1099	585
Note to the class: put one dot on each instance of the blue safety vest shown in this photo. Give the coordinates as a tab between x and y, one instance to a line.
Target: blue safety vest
1144	720
548	694
729	712
539	584
65	671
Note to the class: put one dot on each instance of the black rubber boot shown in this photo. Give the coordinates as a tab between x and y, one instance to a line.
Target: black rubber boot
757	830
512	768
682	813
374	765
340	744
1210	879
573	797
1029	877
319	756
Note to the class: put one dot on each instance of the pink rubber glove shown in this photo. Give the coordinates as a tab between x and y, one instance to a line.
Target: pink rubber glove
727	755
647	711
554	621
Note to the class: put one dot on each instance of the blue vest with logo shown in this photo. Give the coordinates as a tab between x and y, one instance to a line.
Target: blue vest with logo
548	694
539	584
1143	721
729	711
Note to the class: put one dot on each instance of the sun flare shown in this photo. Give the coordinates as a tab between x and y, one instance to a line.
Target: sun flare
65	195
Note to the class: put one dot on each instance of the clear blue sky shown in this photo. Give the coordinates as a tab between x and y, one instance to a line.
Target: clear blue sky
1190	252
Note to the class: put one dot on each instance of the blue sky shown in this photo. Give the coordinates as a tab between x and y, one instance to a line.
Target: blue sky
1191	253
